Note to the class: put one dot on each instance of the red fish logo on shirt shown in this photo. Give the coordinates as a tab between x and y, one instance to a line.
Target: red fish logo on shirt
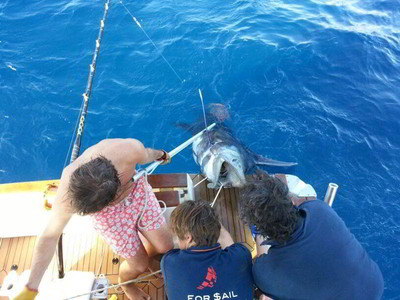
209	280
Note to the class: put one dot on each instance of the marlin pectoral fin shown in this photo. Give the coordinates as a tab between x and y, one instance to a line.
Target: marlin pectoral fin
261	160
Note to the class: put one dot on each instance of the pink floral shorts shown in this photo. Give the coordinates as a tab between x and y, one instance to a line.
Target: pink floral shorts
119	224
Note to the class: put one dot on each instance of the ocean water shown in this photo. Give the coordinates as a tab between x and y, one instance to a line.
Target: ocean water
317	82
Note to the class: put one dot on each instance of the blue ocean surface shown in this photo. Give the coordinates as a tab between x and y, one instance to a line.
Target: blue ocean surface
317	82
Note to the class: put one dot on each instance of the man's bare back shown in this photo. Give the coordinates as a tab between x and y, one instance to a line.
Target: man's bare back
122	155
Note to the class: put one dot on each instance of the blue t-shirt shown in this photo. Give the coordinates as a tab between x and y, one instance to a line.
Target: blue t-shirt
322	261
208	273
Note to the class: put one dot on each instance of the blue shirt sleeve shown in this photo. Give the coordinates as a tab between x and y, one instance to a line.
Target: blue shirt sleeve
242	255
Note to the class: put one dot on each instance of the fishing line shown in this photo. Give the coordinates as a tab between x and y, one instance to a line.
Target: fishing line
204	115
204	179
170	66
216	197
155	46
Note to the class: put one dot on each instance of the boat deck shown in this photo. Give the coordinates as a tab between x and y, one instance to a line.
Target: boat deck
86	251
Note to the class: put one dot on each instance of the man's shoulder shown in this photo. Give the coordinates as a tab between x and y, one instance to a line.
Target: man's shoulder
238	247
315	205
169	261
107	144
319	210
119	151
315	202
239	250
170	255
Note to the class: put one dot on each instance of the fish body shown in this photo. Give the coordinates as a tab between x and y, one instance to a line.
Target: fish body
222	158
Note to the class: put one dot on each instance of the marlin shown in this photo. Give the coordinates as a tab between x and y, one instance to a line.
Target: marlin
222	158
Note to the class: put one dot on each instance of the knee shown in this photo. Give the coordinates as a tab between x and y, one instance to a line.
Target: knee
165	247
143	266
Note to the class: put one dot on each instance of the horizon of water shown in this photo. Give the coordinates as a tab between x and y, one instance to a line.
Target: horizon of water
315	82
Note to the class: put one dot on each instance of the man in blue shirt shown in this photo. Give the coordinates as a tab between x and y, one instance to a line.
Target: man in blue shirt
305	252
208	265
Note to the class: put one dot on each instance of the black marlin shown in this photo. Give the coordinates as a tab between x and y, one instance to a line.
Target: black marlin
223	159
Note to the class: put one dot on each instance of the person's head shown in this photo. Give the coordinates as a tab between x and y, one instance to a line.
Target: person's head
93	186
264	202
196	224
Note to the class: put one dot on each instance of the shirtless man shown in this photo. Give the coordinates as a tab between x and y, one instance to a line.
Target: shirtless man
99	184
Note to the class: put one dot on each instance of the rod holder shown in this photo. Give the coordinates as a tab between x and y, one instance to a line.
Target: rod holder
330	193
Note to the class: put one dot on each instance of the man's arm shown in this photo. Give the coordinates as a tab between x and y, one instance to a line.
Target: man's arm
225	239
46	245
45	248
142	155
151	155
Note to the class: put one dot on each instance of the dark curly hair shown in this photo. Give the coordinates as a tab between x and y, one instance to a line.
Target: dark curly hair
264	202
93	186
197	218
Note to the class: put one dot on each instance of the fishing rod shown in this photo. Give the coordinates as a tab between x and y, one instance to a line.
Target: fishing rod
82	117
88	92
